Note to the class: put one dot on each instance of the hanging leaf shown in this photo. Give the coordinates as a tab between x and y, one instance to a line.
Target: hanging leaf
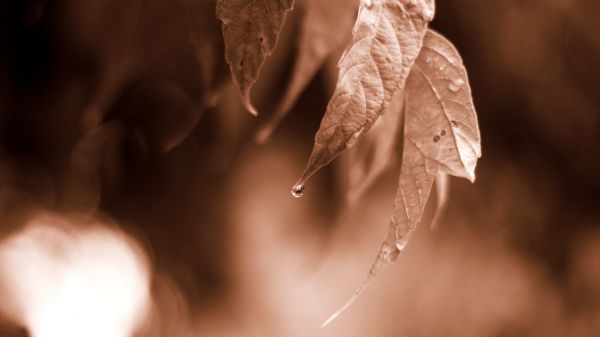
441	135
377	151
319	36
250	31
386	39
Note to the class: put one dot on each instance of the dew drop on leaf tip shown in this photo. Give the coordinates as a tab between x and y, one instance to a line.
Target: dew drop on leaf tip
298	190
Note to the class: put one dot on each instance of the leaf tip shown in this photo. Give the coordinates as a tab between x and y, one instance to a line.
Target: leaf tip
471	175
249	107
348	303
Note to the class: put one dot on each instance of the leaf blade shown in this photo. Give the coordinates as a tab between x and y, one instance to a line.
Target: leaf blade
428	148
250	30
433	144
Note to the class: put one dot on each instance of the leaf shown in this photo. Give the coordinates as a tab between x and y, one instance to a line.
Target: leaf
386	39
319	36
250	31
441	135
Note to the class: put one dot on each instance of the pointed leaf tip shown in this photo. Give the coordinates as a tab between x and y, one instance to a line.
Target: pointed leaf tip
248	104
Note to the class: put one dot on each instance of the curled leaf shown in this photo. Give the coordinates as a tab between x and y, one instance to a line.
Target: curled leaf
441	135
441	131
386	40
250	31
319	36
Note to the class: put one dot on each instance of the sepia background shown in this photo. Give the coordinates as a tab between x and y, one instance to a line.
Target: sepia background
134	201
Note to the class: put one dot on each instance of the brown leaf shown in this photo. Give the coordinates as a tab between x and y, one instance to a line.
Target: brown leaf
441	134
387	38
250	31
319	36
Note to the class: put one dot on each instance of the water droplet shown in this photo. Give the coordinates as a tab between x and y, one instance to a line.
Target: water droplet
298	190
443	133
454	124
389	253
456	84
401	244
436	139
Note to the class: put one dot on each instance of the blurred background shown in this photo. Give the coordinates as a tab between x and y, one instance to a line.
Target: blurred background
134	202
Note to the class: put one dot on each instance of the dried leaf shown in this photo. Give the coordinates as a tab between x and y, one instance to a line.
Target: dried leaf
441	134
377	151
387	38
250	31
319	36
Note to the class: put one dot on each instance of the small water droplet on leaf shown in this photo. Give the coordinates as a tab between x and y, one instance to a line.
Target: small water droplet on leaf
456	84
436	139
298	190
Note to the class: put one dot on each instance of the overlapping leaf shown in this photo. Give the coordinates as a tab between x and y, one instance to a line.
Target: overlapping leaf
441	135
250	30
386	40
319	35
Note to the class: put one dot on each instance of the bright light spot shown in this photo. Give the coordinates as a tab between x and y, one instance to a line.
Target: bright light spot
65	281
